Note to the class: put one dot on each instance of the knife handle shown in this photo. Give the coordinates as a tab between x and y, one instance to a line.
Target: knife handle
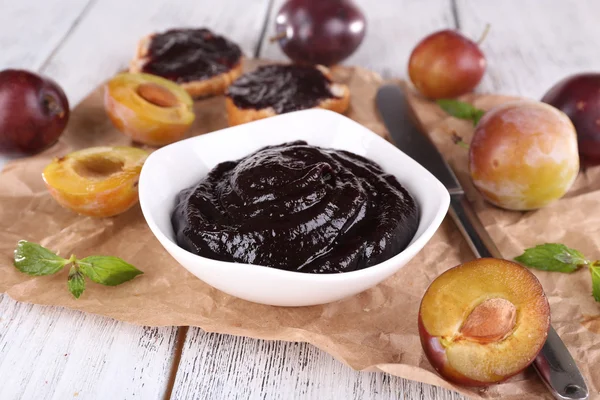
554	364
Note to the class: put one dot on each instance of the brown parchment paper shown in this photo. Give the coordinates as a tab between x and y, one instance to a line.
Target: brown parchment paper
375	330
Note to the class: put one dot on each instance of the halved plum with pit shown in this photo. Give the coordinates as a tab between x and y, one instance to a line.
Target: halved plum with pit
98	181
483	321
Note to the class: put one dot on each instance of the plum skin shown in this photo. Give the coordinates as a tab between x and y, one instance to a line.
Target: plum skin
433	346
112	190
319	32
446	64
578	96
34	112
523	155
436	355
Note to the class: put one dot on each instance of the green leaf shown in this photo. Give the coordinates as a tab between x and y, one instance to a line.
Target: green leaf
595	270
477	116
554	257
106	270
462	110
571	256
76	282
33	259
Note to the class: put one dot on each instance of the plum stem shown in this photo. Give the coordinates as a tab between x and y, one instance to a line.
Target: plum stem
459	141
484	34
277	37
53	106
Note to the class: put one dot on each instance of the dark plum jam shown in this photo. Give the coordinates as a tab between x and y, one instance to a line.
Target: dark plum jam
297	207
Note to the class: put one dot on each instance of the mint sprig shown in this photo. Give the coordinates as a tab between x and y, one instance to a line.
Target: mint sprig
552	257
460	109
595	270
556	257
109	271
75	282
33	259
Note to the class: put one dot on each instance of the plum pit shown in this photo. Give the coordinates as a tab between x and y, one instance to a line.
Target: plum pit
97	167
156	94
491	321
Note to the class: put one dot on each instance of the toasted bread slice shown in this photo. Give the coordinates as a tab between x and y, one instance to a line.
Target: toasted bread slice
339	102
214	85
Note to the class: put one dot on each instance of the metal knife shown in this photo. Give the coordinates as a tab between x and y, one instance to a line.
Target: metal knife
554	364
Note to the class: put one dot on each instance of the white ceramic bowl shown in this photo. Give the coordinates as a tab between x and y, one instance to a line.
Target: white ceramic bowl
182	164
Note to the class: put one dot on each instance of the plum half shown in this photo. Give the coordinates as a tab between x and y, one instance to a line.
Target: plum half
97	181
483	321
578	96
149	109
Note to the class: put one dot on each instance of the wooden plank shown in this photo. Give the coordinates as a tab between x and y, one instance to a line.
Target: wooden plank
532	46
228	367
393	29
48	352
30	30
51	352
222	366
106	41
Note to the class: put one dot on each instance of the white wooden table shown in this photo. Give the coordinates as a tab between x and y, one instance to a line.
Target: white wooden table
54	353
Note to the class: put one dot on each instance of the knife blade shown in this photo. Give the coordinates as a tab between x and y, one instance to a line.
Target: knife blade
554	364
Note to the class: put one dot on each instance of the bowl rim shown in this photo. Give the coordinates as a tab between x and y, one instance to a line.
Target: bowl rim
170	245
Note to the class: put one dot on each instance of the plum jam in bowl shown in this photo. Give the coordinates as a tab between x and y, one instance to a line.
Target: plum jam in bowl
219	202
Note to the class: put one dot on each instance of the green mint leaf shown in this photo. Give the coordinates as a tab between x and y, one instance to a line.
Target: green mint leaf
476	116
106	270
571	256
462	110
554	257
595	270
33	259
76	282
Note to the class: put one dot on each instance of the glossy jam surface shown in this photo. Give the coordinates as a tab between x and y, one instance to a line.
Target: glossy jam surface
185	55
297	207
284	87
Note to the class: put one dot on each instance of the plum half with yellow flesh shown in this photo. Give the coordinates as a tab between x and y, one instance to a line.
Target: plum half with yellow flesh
150	109
98	181
483	321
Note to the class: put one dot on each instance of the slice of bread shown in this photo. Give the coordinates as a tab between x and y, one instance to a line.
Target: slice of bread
212	86
339	103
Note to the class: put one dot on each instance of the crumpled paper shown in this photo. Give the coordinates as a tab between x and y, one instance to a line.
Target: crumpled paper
375	330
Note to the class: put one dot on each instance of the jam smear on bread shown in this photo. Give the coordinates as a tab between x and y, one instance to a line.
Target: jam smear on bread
284	88
186	55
